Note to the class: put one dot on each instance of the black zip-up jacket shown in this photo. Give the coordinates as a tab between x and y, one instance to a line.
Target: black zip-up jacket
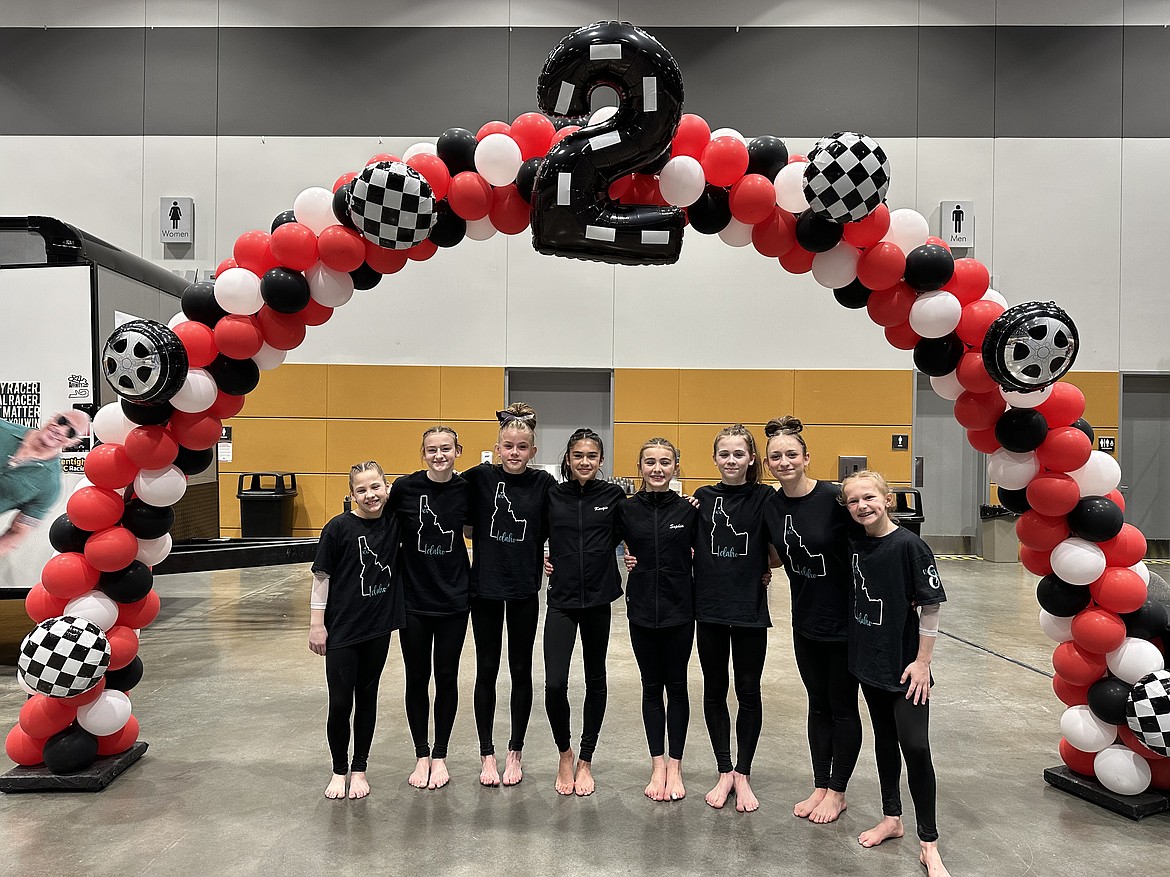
582	536
659	529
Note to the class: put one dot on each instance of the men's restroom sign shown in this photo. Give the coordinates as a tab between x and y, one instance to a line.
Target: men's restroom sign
176	220
956	223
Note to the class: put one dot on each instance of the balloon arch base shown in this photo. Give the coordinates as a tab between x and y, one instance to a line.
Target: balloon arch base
94	778
1135	807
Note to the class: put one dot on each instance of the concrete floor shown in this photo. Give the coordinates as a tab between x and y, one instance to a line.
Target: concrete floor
233	706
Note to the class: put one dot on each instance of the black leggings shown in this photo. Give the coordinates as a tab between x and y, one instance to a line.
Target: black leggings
897	722
487	624
352	674
560	636
444	634
746	647
663	654
834	721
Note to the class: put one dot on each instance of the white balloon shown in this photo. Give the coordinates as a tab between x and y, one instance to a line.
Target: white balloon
268	358
992	295
681	181
328	287
935	314
176	320
837	267
95	606
1011	470
736	233
421	148
1142	570
908	229
237	291
947	386
480	229
111	425
161	487
1085	731
789	184
729	132
1055	627
498	158
1077	561
106	715
24	686
314	208
1121	770
601	114
1098	476
1030	399
197	393
1133	659
152	551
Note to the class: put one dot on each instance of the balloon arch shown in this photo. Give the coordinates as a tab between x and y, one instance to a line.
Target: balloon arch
619	186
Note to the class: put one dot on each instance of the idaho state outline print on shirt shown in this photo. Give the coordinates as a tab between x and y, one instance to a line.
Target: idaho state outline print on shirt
726	541
803	561
372	582
867	610
506	527
432	538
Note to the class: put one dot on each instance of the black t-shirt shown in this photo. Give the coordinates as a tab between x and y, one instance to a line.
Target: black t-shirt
811	535
659	527
507	516
731	555
582	536
892	575
431	515
360	557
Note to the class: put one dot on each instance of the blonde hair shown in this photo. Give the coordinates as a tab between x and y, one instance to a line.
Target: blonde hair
359	468
518	416
738	430
658	442
867	475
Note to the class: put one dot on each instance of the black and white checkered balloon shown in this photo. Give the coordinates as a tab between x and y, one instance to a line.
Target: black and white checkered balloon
846	177
1147	711
64	656
392	205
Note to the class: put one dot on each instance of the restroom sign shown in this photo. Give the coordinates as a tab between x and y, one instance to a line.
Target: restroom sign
956	223
176	220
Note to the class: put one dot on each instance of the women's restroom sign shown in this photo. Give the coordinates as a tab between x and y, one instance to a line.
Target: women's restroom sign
956	223
176	220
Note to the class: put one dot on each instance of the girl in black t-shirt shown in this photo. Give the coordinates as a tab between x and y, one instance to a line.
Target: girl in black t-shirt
810	528
896	597
431	506
356	602
508	533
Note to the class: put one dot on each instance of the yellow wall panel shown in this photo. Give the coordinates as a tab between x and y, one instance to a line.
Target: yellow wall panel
309	509
475	436
406	392
396	444
267	444
470	393
696	443
1102	391
644	395
847	397
826	443
229	505
628	439
728	396
293	390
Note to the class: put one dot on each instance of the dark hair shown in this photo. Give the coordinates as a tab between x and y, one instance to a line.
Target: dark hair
738	430
432	430
584	434
786	425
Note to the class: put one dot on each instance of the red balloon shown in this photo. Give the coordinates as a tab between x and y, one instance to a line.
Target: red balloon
1064	449
253	250
494	127
24	750
973	375
969	282
983	440
868	231
1119	590
1159	774
1077	665
510	212
198	431
1040	531
881	266
139	614
978	410
691	137
645	191
1126	548
224	266
151	447
123	646
1081	762
432	169
382	156
470	196
238	336
68	575
1070	695
1065	406
724	161
282	331
94	508
533	133
1114	495
315	313
119	741
797	260
111	550
621	187
295	246
776	235
1038	563
225	406
344	180
562	133
890	307
79	700
902	336
1098	630
110	466
385	261
40	605
975	320
341	248
422	251
1130	739
937	242
198	341
753	199
42	716
1053	493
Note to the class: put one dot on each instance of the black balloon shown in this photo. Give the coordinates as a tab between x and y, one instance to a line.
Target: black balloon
1058	597
929	267
854	296
1096	519
193	462
1107	699
236	377
525	177
365	277
456	148
711	213
126	678
1014	500
449	228
284	290
1087	428
938	356
817	234
1021	430
65	536
199	303
282	218
71	750
341	202
1149	620
127	585
147	415
147	521
766	155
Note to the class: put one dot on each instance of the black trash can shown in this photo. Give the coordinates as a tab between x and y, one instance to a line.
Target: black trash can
907	511
266	511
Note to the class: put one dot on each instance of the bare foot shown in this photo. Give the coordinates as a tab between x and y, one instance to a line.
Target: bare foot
809	804
832	806
583	784
489	774
439	775
745	798
889	827
717	797
675	790
336	787
359	786
930	858
421	774
564	782
656	788
513	770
